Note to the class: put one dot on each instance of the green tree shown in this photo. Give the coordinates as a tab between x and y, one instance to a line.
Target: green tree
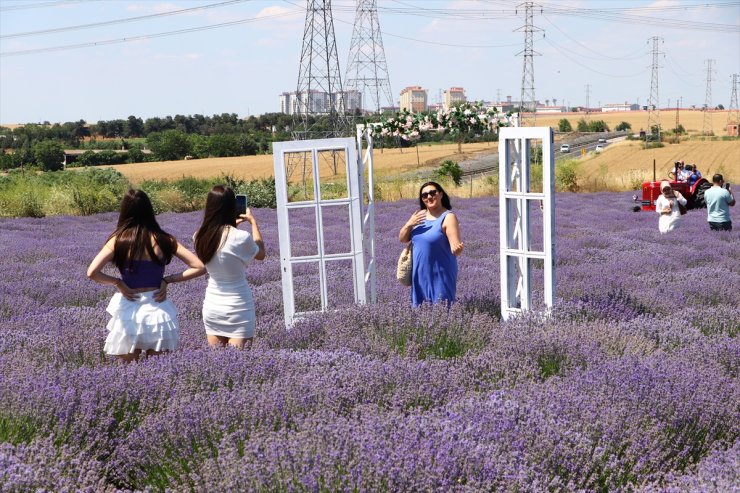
49	154
223	146
598	126
169	145
582	125
134	127
564	125
451	169
623	126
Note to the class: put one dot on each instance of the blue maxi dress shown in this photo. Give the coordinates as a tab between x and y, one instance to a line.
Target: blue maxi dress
434	268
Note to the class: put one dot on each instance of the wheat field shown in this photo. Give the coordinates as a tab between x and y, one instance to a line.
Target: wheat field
692	120
619	167
387	162
624	164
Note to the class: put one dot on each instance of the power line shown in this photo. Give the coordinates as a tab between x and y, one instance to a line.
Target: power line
561	50
55	3
34	51
120	21
601	56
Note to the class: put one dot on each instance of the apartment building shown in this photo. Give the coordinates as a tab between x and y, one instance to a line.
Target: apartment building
414	99
453	96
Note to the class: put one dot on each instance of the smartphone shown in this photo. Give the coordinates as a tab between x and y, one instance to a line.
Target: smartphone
241	204
727	186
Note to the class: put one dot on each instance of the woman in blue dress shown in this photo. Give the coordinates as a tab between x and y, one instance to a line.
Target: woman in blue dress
435	234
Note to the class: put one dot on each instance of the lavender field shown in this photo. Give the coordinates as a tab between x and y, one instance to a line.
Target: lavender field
631	384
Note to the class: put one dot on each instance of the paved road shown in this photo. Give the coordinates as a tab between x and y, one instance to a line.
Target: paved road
488	163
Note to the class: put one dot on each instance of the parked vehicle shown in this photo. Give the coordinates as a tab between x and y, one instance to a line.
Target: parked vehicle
694	194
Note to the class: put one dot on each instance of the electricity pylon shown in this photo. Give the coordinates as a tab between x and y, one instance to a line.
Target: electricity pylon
367	70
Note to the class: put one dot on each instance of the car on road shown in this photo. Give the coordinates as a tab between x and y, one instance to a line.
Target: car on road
598	148
602	140
565	148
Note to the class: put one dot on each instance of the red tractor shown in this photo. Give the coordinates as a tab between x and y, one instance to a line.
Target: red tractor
694	194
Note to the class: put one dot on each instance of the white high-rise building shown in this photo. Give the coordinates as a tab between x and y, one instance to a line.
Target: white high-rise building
293	103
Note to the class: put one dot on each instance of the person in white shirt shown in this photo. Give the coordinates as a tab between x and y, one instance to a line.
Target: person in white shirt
667	206
228	307
683	173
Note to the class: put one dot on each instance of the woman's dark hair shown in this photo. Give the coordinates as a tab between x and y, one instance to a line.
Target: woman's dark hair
136	227
445	198
220	212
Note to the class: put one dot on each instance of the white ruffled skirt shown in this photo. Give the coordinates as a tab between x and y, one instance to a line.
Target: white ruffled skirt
142	324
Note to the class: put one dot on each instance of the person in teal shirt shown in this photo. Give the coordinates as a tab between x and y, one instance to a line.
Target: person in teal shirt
719	199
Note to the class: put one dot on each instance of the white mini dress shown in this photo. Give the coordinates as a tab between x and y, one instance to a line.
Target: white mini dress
228	307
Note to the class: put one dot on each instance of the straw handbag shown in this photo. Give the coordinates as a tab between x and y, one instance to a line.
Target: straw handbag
403	271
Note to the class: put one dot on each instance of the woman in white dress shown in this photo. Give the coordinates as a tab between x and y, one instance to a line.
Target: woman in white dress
667	206
228	307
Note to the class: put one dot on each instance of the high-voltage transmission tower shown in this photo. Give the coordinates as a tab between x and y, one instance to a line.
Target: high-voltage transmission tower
706	128
527	102
367	70
654	100
733	115
319	93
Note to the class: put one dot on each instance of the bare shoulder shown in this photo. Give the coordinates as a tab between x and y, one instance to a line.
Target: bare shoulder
111	243
451	216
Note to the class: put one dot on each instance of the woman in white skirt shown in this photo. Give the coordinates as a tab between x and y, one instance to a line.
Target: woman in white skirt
142	318
667	206
228	307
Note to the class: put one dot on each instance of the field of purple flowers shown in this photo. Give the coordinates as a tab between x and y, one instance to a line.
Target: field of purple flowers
631	384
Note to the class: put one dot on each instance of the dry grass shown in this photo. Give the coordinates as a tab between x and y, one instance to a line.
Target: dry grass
692	120
620	167
387	162
624	164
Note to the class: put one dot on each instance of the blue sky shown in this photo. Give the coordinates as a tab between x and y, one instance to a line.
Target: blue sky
242	68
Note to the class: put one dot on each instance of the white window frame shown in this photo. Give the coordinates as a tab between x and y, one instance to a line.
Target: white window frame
514	225
354	199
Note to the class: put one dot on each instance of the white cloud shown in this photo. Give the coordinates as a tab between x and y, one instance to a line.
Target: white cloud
277	13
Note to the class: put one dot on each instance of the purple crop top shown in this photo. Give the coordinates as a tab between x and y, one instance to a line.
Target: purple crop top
143	274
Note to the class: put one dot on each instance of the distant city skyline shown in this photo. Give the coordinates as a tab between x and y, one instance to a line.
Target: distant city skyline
67	60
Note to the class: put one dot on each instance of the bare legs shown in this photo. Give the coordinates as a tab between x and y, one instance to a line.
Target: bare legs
221	341
134	356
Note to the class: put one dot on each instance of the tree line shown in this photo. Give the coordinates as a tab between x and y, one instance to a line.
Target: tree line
135	140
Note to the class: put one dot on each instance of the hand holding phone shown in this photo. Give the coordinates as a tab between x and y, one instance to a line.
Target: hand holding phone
241	204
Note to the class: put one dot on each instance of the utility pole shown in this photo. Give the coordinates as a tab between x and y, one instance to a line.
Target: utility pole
588	97
706	128
319	92
733	115
678	106
367	70
654	100
527	101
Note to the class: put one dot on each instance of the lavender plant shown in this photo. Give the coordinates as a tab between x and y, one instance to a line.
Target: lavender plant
630	385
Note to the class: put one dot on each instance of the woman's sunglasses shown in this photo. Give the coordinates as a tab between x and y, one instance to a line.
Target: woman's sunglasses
430	193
